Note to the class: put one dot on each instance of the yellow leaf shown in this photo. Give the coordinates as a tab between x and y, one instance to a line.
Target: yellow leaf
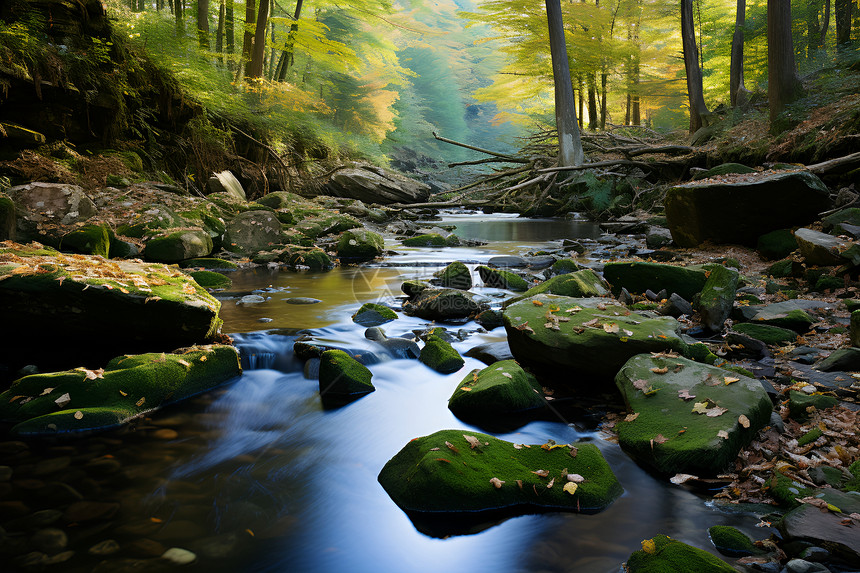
631	417
140	402
663	370
610	327
123	393
79	415
466	389
744	421
729	379
649	547
570	487
537	303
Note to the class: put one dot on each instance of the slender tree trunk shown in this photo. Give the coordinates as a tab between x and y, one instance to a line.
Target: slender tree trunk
592	102
259	50
695	92
603	78
229	27
569	143
736	70
825	25
286	60
580	99
203	24
783	83
812	7
219	35
270	71
248	40
179	12
843	23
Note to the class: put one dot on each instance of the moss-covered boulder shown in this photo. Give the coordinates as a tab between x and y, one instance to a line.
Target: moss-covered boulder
37	204
8	223
439	355
811	524
708	210
820	249
176	245
151	220
717	297
209	264
413	288
640	276
82	400
456	471
723	169
770	335
89	240
498	390
326	223
311	257
662	554
732	542
500	278
208	217
427	240
252	232
115	306
584	337
455	275
790	314
578	284
564	266
443	304
342	377
372	314
359	245
283	200
776	244
687	417
210	279
801	405
228	203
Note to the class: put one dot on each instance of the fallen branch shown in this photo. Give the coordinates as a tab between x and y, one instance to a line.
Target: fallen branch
490	160
645	150
835	165
612	163
472	147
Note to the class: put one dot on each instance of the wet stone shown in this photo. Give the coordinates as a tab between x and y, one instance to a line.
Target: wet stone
36	520
144	547
179	556
12	447
165	434
50	541
5	473
103	466
90	510
104	548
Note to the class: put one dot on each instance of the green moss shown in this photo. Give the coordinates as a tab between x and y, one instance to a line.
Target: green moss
443	304
564	266
178	245
571	346
89	240
228	202
717	297
776	244
326	224
644	306
455	275
150	220
312	257
359	245
283	200
637	277
209	279
343	377
127	387
209	264
810	436
428	475
693	443
208	217
428	240
732	542
372	314
584	283
749	299
666	555
783	269
701	353
799	403
853	484
440	355
502	388
827	282
738	370
771	335
500	278
787	491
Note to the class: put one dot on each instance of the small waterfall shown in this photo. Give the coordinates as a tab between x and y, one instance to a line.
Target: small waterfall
264	351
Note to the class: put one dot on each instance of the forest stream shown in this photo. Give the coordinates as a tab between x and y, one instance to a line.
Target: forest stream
259	476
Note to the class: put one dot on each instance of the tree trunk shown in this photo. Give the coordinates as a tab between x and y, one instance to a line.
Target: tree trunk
825	25
286	59
783	83
248	40
569	143
179	12
580	99
203	24
592	102
736	70
695	92
259	51
603	78
219	35
229	27
843	23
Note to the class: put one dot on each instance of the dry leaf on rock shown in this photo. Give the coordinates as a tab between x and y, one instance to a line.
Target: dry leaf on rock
685	394
575	478
570	487
663	370
678	479
473	441
610	328
723	434
730	379
541	473
744	421
631	417
497	483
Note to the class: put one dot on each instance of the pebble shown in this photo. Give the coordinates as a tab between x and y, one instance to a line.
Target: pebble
36	520
5	473
179	556
264	319
104	548
165	434
144	547
50	541
251	299
90	510
302	300
803	566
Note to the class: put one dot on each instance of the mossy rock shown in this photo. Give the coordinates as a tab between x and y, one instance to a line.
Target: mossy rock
500	278
700	435
342	377
8	218
637	277
253	231
784	269
732	542
413	288
211	280
800	404
786	491
565	266
174	246
490	319
89	240
311	257
578	284
430	476
850	215
428	240
662	554
283	200
150	220
208	217
723	169
717	297
855	328
359	245
228	203
776	244
810	437
770	335
326	224
439	355
598	329
701	353
826	282
500	389
443	304
210	263
372	314
82	400
129	158
116	306
455	275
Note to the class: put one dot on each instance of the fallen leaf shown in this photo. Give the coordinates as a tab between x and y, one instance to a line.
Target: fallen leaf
715	411
507	375
610	328
570	487
723	434
435	449
685	394
551	483
628	332
452	447
518	446
466	389
592	322
63	400
730	379
631	417
678	479
573	451
575	478
649	547
140	402
663	370
541	473
520	483
660	439
537	303
640	384
93	374
574	310
79	415
123	393
45	391
473	441
497	483
744	421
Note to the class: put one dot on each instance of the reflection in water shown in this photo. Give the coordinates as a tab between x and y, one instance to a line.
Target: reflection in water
269	459
520	229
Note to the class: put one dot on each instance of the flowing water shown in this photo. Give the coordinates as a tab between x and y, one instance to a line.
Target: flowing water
261	477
